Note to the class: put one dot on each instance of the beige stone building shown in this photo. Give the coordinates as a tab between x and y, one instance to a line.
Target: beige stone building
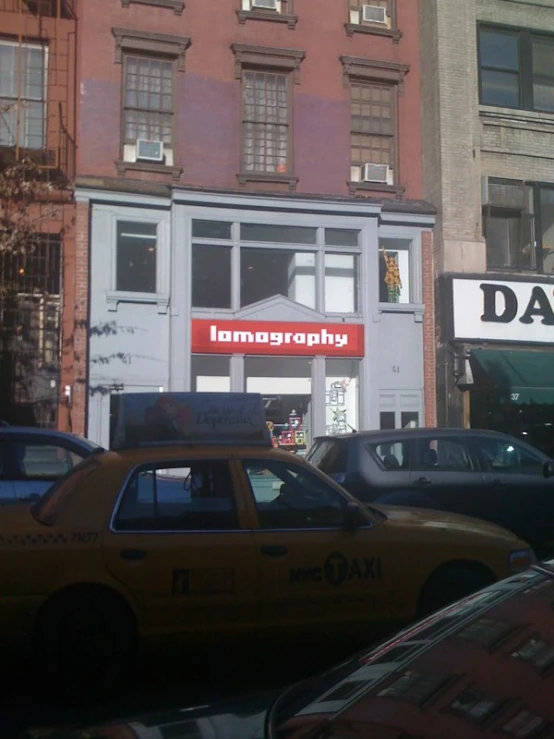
488	110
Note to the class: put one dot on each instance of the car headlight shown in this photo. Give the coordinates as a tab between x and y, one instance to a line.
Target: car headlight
521	560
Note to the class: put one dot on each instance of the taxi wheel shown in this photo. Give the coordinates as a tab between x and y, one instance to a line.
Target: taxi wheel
86	641
449	584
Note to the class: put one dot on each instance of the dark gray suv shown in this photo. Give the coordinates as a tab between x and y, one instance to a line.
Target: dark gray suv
485	474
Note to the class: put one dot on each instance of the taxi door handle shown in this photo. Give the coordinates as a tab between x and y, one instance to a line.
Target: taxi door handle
274	551
133	554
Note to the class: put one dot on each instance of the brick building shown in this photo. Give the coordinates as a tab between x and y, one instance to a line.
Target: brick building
247	170
37	125
488	135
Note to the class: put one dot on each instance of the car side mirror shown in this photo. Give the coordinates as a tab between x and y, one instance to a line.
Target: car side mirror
548	469
353	517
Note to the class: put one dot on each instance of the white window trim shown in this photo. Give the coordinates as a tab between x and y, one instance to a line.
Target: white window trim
319	222
45	53
161	297
415	305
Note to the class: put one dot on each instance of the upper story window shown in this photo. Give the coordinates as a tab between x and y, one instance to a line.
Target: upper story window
372	133
148	105
277	11
374	89
266	145
512	212
516	69
23	77
267	77
150	64
374	17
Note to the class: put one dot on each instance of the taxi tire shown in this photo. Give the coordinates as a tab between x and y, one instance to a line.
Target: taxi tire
86	642
449	584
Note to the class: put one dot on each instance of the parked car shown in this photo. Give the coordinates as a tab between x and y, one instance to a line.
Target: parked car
486	474
31	459
480	668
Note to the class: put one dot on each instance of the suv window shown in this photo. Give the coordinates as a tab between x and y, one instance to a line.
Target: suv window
52	502
506	456
38	461
330	456
446	453
392	455
189	496
288	496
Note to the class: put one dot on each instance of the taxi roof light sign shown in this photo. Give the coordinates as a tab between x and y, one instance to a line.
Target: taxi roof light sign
143	419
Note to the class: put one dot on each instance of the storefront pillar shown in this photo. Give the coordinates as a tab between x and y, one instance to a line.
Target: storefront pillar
318	395
237	373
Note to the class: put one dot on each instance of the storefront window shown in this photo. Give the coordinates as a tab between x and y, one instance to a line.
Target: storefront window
342	396
394	270
210	373
211	229
268	272
286	386
341	237
211	276
341	283
136	257
278	234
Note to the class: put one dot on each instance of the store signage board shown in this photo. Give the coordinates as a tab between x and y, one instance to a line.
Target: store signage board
277	338
158	418
503	310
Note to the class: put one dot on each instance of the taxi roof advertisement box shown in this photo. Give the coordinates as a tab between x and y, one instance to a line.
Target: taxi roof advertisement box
277	338
166	418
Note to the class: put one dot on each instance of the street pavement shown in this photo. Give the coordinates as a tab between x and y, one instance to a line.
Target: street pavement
164	682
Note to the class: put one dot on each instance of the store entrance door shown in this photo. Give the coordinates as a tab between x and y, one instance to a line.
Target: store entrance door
286	386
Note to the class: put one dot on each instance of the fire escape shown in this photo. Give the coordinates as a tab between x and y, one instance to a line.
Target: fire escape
37	124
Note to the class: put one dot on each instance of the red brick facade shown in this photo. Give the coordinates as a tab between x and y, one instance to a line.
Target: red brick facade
208	128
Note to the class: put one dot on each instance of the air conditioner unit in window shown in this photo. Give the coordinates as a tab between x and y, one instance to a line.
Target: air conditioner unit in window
150	151
265	4
376	173
374	14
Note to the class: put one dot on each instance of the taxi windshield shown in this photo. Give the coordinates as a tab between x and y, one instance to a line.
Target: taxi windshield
46	510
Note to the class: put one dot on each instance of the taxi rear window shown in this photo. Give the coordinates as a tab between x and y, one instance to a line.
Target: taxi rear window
48	507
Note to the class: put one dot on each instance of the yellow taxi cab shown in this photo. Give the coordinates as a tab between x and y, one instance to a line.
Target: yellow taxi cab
194	529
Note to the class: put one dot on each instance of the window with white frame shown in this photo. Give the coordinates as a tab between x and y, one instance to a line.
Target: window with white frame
275	260
394	270
136	257
23	69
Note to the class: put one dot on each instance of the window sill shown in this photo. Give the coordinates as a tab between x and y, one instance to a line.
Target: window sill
266	15
114	297
269	177
176	5
356	187
416	309
394	33
124	167
515	114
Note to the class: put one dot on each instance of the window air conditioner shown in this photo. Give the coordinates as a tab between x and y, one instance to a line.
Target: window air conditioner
376	173
374	14
150	151
265	4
